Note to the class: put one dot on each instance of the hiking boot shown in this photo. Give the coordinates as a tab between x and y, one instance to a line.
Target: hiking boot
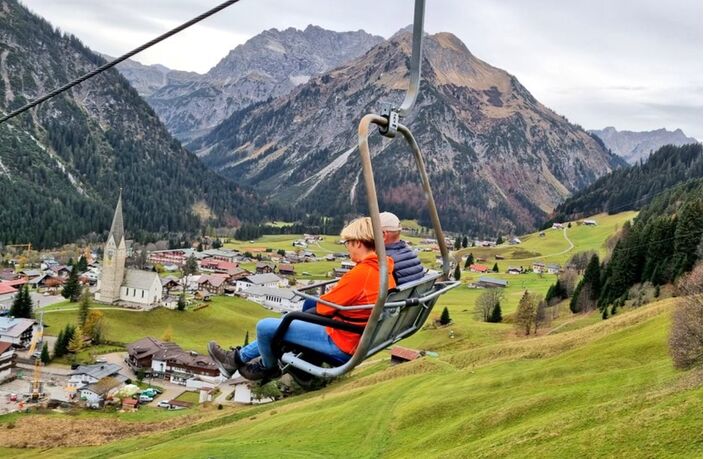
256	371
227	361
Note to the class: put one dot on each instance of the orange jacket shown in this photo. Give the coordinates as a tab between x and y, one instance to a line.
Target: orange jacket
358	286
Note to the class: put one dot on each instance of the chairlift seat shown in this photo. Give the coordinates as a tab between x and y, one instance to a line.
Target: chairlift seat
406	310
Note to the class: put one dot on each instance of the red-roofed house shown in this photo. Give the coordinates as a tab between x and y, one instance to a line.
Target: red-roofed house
218	266
478	268
15	282
7	293
403	354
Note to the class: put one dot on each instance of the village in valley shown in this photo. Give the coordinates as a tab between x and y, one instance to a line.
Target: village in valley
97	366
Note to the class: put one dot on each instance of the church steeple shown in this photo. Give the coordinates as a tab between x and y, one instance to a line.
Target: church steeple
117	230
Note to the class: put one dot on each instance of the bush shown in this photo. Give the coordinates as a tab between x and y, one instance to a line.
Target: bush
686	333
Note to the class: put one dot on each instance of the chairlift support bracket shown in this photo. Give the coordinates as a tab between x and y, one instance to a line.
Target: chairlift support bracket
392	114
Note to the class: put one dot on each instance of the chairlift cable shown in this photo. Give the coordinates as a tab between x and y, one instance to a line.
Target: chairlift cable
116	61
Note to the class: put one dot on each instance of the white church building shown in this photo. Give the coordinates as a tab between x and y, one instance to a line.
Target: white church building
129	287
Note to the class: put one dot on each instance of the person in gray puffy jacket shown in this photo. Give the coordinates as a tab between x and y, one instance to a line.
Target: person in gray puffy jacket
407	266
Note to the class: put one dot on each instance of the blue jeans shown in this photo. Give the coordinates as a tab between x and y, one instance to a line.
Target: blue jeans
310	336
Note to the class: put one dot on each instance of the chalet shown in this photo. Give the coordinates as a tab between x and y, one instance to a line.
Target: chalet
589	222
553	268
17	332
7	293
475	268
558	225
168	284
90	374
286	269
167	360
94	395
243	392
212	284
48	283
491	282
203	295
480	259
263	267
7	360
541	234
514	270
514	241
30	273
260	280
538	267
499	257
276	299
403	354
62	271
330	257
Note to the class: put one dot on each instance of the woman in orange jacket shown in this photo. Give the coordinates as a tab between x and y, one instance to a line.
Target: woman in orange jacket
358	286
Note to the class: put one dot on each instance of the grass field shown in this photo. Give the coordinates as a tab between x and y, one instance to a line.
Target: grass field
226	319
604	390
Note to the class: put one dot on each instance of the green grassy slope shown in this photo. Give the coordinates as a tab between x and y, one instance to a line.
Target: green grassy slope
608	389
226	319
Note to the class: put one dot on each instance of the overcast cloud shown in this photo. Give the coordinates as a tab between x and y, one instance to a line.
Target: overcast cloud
632	64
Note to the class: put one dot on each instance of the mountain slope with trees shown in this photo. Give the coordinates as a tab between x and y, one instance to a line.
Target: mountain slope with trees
633	187
63	163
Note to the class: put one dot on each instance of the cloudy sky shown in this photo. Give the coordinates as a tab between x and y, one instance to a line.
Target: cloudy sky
631	64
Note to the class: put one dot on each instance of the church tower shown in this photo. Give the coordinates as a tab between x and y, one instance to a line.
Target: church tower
114	256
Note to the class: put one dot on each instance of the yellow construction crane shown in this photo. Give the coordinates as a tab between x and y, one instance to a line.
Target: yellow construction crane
36	378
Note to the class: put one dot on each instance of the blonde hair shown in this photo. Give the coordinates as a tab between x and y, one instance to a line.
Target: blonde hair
359	229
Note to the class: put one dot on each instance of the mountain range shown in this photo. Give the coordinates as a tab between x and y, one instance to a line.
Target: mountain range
268	65
498	159
63	163
634	146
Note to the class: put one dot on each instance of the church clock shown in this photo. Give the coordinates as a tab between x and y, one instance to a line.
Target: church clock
108	259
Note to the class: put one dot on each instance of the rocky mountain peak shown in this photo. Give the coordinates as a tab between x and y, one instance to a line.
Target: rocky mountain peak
497	157
269	64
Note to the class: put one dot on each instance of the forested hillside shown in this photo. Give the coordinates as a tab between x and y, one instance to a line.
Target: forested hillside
62	164
663	243
634	187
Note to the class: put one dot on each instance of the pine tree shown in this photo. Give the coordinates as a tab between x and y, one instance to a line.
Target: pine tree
499	240
496	313
458	272
22	304
217	243
495	268
470	261
465	242
445	317
58	349
72	290
181	305
246	338
84	307
191	266
45	358
592	277
82	264
458	243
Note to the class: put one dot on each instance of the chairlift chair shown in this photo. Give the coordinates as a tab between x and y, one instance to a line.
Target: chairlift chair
400	312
